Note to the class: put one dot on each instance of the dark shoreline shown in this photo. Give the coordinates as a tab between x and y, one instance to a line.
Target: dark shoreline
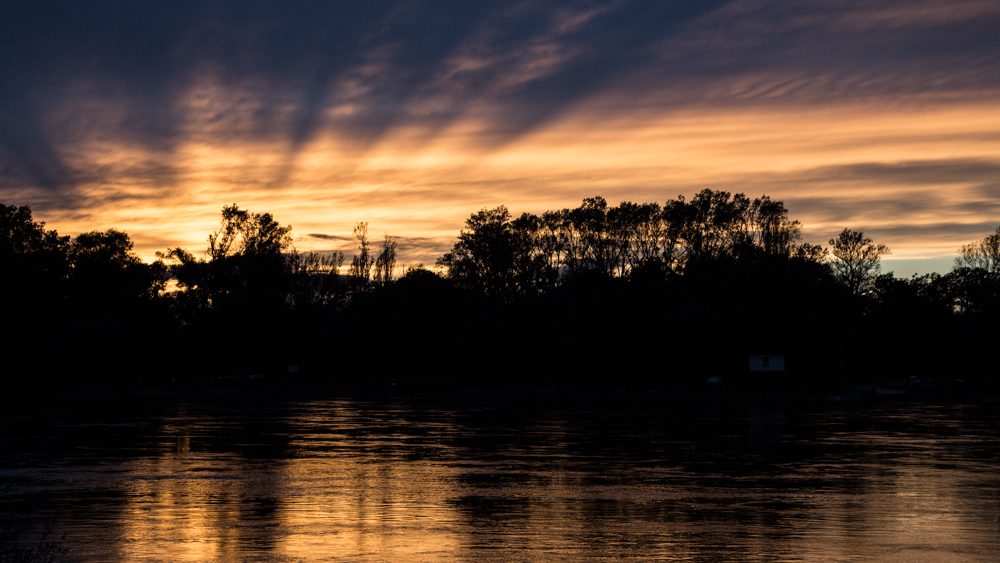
63	391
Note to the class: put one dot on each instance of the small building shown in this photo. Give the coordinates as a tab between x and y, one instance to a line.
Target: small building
767	363
767	370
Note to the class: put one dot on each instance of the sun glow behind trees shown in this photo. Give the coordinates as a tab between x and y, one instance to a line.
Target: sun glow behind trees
697	268
911	174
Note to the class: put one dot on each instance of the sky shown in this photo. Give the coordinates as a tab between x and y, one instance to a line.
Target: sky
877	115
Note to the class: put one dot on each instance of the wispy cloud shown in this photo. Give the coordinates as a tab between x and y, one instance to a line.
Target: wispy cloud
410	115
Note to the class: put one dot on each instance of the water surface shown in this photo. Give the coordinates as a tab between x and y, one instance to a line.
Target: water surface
539	478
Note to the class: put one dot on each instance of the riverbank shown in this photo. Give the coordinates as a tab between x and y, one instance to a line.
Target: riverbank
64	390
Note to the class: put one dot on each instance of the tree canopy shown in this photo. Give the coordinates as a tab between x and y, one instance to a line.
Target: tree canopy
663	290
507	256
983	254
856	260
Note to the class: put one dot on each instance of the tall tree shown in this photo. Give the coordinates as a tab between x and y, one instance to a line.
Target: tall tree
34	266
316	280
30	254
361	265
973	290
245	266
106	273
707	224
984	254
548	248
856	260
485	256
248	234
385	263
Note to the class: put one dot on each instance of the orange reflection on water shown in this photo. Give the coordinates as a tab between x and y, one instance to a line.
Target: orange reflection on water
183	517
335	481
365	499
379	512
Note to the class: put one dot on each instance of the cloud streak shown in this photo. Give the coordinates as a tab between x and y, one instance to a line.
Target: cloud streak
411	115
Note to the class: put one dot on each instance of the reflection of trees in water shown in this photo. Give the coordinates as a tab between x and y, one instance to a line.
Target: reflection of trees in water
218	471
26	537
728	484
526	476
204	479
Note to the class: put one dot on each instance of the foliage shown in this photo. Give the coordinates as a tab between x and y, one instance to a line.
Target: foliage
685	287
19	235
26	538
106	271
484	256
973	290
385	264
360	271
248	234
983	254
316	281
245	265
34	261
856	261
532	254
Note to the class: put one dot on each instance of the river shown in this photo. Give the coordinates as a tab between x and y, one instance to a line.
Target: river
480	477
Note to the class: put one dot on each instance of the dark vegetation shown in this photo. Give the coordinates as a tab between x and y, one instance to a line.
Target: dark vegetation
25	537
633	295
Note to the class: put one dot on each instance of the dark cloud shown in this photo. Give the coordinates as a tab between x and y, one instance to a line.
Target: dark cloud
844	192
989	191
339	238
837	49
945	231
844	210
293	61
915	172
393	62
424	245
150	76
410	249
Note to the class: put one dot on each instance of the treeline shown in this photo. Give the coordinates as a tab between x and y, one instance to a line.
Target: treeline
638	294
533	254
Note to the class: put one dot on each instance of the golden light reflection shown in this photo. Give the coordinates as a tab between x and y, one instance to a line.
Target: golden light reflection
198	518
395	483
421	183
375	512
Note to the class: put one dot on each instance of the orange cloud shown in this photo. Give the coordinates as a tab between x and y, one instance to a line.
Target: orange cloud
899	169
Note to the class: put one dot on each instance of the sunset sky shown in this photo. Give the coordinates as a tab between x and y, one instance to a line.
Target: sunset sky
878	115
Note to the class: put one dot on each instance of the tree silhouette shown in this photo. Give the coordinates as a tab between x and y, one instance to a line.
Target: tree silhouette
19	235
34	262
973	290
27	538
984	254
974	282
316	280
484	256
385	263
245	263
706	224
248	234
107	275
533	254
856	260
715	225
632	276
362	263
